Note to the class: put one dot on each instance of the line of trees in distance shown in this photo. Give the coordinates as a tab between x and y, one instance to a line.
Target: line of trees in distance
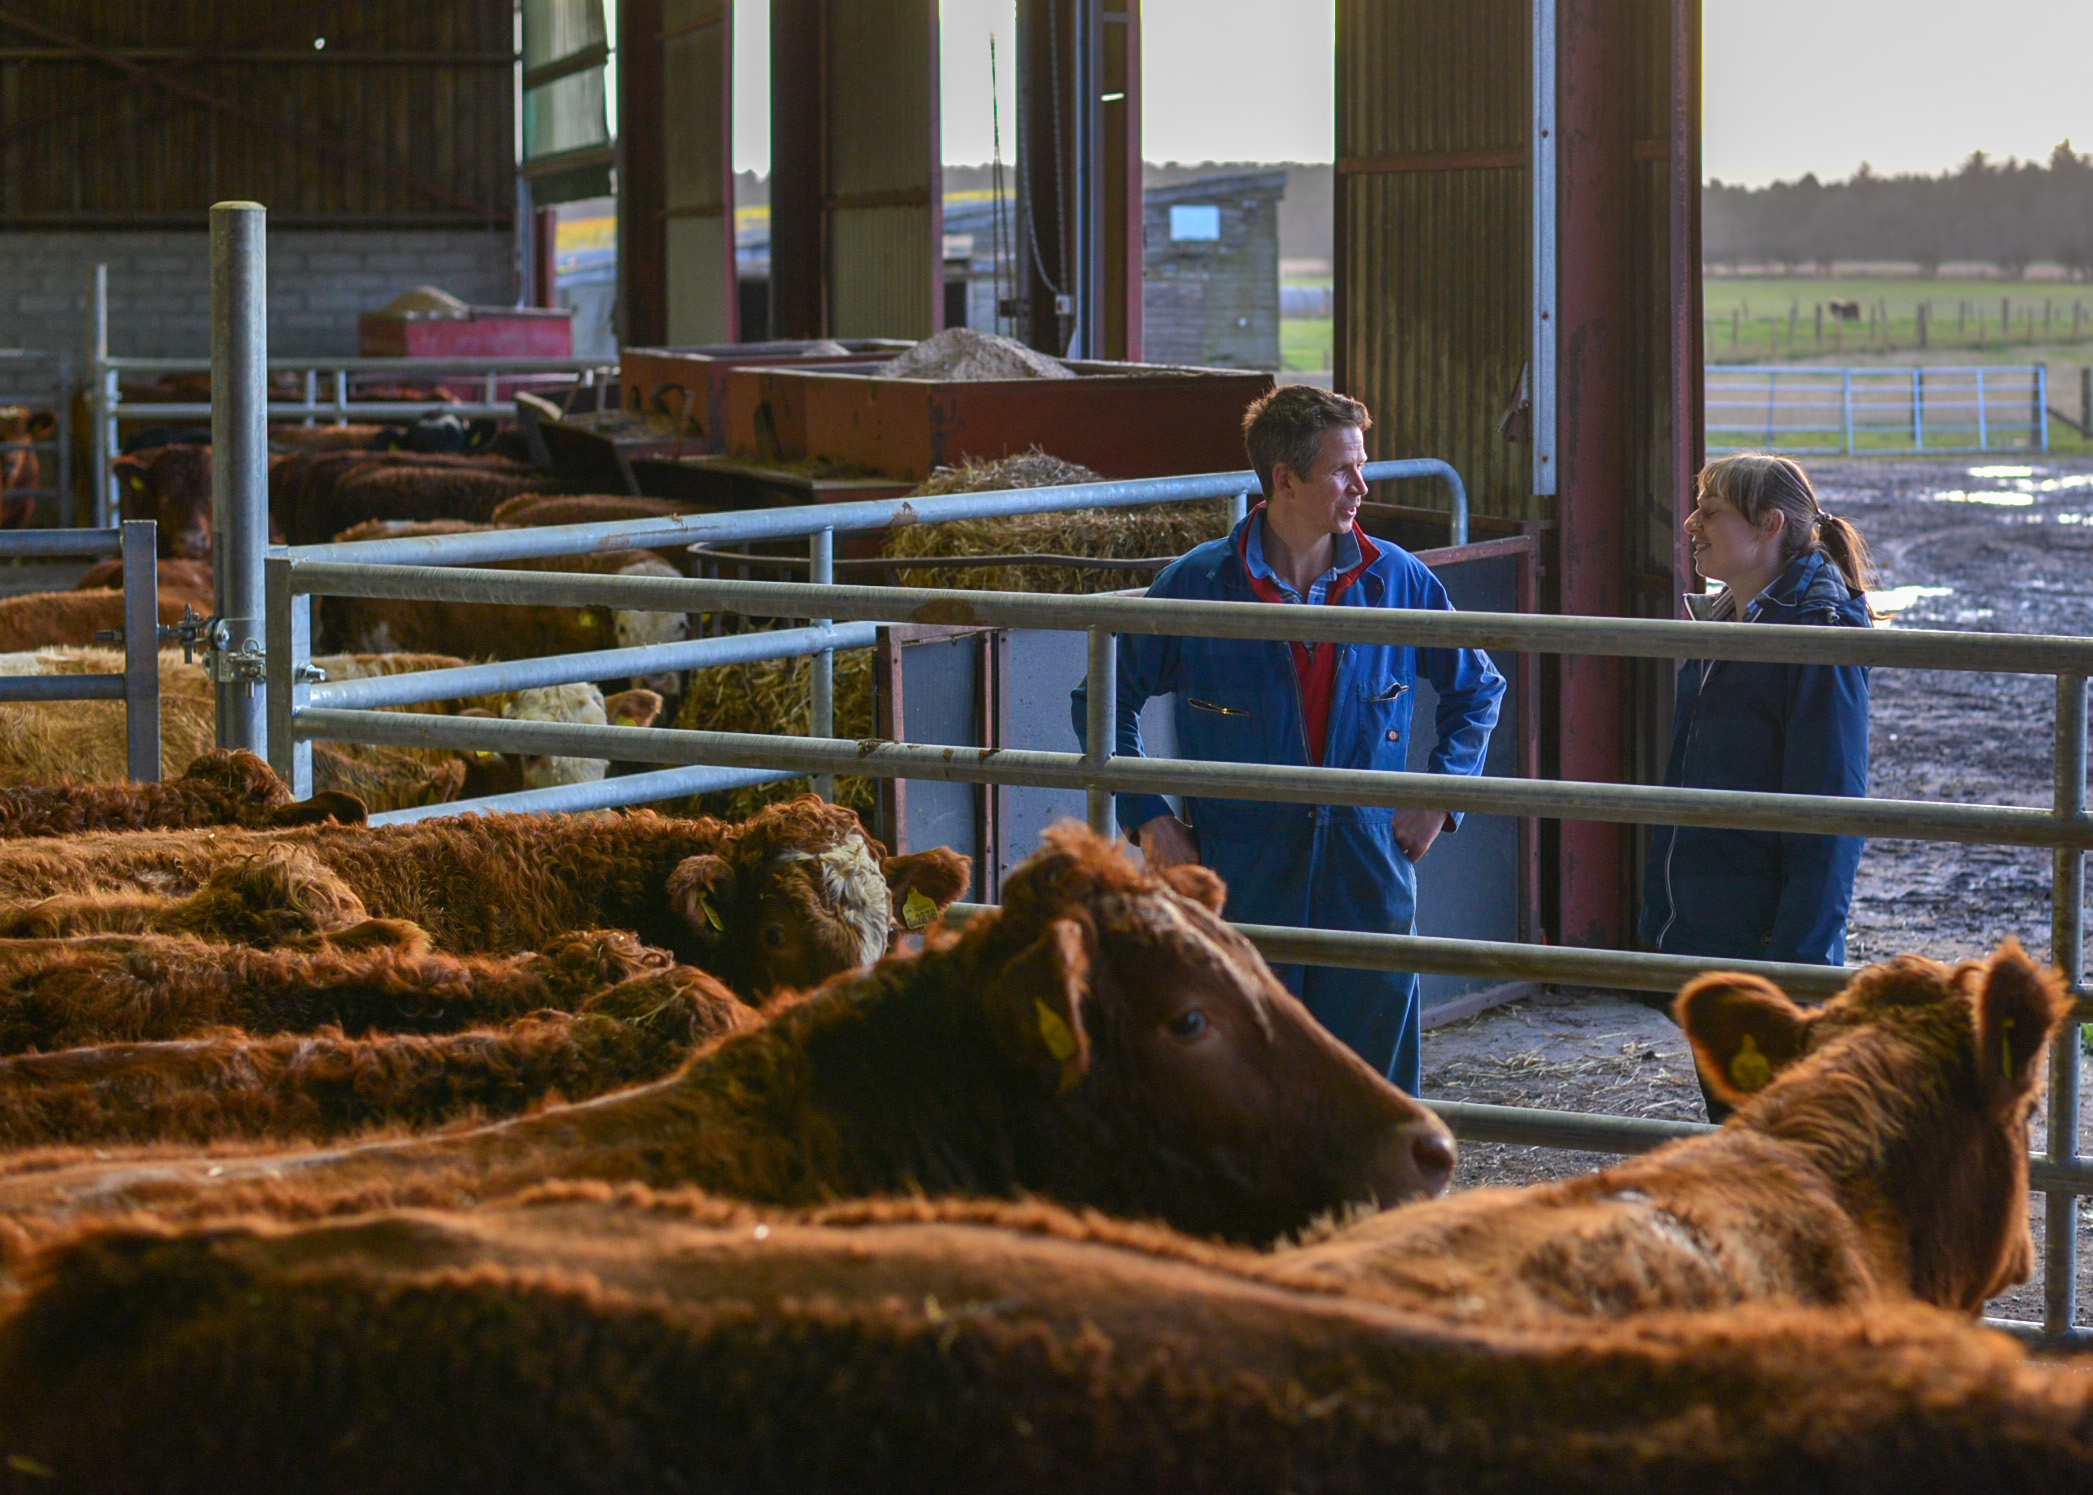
2009	215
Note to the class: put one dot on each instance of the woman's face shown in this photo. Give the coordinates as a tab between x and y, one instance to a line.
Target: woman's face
1726	547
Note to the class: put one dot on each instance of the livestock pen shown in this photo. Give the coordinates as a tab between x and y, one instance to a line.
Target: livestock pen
442	567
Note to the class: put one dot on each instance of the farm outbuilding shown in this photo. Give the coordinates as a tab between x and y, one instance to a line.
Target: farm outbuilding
667	831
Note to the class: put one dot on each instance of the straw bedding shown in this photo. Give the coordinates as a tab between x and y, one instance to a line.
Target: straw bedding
770	695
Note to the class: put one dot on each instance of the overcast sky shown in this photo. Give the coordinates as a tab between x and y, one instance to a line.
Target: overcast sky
1791	85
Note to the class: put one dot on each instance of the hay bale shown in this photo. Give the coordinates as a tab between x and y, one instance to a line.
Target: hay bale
1158	532
770	695
963	356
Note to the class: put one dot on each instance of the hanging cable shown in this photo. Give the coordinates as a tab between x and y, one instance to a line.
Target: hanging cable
1028	186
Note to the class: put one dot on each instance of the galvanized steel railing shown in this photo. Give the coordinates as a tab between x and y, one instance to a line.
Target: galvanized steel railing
138	687
300	712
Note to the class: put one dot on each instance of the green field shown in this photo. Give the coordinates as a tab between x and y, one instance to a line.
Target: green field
1305	343
1773	319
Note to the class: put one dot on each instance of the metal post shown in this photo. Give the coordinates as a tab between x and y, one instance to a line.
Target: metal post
312	395
341	397
142	650
1983	430
1918	408
1846	405
1101	726
2041	432
103	447
2067	953
821	683
1238	509
240	464
1772	401
290	656
62	409
1540	388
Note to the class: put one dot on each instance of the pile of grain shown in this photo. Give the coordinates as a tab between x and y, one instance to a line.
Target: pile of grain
1158	532
962	355
770	695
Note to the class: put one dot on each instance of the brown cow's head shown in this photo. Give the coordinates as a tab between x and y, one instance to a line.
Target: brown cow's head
170	485
1912	1088
254	796
1186	1081
799	892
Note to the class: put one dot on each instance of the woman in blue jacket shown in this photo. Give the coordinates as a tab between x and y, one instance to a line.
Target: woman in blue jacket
1757	528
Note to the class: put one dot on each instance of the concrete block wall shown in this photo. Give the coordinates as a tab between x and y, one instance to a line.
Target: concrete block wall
160	285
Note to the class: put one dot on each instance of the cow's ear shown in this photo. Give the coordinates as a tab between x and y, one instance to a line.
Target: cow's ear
1038	1001
697	888
1743	1030
632	708
326	805
1200	884
922	883
2017	1007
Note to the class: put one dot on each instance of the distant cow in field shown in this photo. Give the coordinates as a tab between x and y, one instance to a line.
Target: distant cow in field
221	788
1844	311
786	899
325	1084
1879	1154
1101	1039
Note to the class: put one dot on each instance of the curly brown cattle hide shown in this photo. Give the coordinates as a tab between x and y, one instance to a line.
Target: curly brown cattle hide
780	900
220	788
181	581
1879	1154
688	1348
272	896
33	620
226	1086
1045	1051
158	987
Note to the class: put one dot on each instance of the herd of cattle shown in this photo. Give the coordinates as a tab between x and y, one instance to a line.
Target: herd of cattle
626	1152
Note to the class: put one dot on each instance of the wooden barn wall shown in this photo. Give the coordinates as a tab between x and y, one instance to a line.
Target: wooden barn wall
1431	242
141	113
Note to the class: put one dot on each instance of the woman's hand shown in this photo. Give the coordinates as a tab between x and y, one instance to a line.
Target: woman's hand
1415	830
1167	841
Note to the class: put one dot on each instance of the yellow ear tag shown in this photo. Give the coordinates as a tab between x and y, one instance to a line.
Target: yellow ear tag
1059	1041
1750	1070
711	913
918	910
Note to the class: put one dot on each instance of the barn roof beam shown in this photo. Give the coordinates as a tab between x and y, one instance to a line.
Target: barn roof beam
318	137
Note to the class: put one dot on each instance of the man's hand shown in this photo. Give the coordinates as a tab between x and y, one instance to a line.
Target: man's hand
1167	841
1415	830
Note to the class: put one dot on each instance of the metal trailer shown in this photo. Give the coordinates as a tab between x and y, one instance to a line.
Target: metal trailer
44	380
138	687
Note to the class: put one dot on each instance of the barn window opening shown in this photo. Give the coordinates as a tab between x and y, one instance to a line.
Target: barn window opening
1194	221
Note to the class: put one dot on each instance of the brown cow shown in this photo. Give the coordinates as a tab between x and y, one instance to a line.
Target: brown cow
1882	1157
221	788
786	899
532	510
323	1085
274	895
181	581
140	988
1101	1038
170	485
666	1346
314	496
32	620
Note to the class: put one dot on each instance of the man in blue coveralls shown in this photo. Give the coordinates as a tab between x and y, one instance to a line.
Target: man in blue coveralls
1332	705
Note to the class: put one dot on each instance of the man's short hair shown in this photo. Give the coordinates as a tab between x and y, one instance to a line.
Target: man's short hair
1287	426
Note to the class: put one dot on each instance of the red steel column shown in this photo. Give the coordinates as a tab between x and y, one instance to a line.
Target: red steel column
1596	257
1689	383
642	244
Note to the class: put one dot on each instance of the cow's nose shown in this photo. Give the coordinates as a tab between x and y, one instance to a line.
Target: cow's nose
1415	1163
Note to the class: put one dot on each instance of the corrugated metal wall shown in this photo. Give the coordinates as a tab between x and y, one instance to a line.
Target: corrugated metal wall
1431	234
885	259
698	187
141	113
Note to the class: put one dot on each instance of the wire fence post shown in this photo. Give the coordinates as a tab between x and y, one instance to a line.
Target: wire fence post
2067	953
141	650
239	465
290	674
821	681
1101	726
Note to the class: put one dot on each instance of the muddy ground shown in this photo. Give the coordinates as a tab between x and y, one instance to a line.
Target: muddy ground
1980	544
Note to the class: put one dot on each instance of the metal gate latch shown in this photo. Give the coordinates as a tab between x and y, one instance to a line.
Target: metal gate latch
241	666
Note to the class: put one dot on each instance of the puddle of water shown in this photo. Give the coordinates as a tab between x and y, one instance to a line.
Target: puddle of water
2003	500
2002	472
2064	484
1895	599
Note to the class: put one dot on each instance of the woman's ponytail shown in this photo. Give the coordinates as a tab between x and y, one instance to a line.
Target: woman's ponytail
1848	551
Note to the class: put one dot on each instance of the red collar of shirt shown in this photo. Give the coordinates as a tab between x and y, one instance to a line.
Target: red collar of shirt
1315	667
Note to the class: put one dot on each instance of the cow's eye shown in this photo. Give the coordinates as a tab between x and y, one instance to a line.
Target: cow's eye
774	937
1188	1024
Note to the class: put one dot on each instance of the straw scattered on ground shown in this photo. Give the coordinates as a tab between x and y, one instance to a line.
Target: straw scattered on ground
1159	532
770	695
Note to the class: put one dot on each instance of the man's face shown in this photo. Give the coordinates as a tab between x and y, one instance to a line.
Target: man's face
1327	497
